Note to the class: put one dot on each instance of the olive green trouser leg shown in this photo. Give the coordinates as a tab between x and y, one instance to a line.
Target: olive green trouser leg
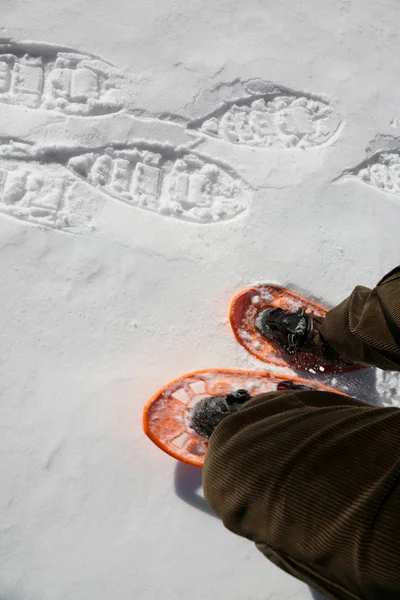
313	479
365	327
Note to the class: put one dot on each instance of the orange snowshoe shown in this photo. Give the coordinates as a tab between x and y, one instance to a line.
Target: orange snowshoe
246	309
166	414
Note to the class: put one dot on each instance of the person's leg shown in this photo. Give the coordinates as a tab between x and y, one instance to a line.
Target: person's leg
365	328
312	478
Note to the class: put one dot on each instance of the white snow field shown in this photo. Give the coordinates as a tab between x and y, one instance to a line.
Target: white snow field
155	158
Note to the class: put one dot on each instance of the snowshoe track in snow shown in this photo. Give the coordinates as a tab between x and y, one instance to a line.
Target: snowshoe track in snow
170	182
261	113
42	76
381	170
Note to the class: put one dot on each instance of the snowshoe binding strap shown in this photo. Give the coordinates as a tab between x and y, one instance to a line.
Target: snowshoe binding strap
291	330
238	397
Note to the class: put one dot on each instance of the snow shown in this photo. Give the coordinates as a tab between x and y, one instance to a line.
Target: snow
275	128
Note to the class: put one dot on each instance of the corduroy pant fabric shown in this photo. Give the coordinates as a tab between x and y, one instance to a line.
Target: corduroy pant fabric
313	478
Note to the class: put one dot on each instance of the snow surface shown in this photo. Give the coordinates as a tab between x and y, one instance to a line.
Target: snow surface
155	158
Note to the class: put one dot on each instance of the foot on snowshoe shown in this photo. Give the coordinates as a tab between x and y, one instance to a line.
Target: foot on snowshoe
206	414
292	331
